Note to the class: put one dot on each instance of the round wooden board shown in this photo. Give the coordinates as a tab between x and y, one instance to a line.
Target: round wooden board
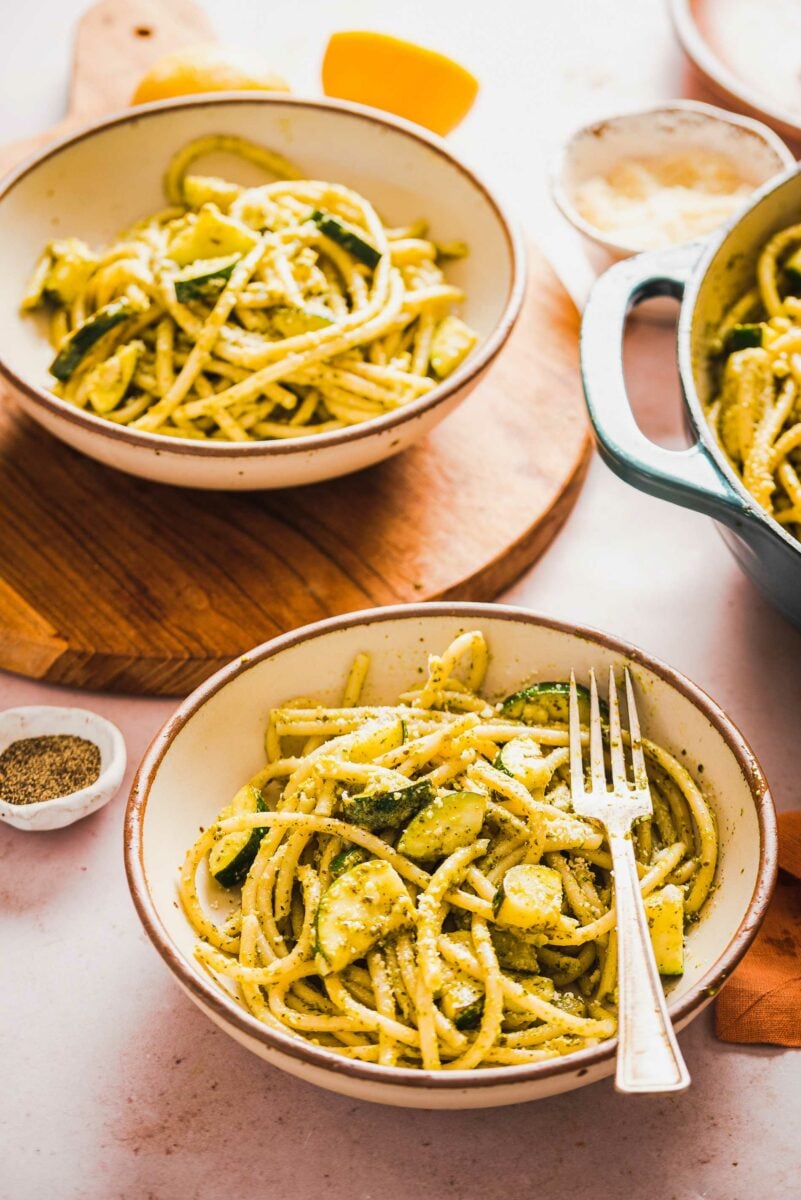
109	582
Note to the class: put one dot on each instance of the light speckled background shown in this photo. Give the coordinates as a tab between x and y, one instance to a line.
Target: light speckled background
114	1085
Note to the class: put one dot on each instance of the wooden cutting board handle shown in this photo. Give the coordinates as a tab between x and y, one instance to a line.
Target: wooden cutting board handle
149	589
115	42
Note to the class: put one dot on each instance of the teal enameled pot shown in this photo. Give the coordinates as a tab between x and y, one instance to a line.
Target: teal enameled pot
707	277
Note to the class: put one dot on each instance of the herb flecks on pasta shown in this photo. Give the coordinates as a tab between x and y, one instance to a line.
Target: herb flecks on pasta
415	888
250	313
756	414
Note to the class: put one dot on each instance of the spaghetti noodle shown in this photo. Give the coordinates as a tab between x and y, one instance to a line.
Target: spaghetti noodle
756	415
415	889
240	314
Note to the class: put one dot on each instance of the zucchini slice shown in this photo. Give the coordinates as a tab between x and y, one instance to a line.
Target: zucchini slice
742	337
79	343
382	739
450	346
347	237
570	1002
542	703
380	809
208	189
444	825
204	279
108	382
360	908
530	897
513	953
210	235
462	998
522	759
351	856
516	953
665	912
290	322
61	273
231	857
535	985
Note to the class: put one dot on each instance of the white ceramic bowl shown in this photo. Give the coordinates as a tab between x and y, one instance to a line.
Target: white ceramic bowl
667	129
697	30
47	721
215	740
95	183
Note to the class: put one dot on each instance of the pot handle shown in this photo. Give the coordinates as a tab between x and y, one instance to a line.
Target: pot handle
689	477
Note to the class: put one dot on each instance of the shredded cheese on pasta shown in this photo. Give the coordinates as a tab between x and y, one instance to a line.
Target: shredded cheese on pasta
453	984
242	314
756	413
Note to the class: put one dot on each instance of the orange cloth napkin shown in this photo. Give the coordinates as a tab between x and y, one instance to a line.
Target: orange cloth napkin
762	1000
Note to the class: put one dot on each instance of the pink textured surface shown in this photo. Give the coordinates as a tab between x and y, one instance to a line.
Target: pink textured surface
114	1085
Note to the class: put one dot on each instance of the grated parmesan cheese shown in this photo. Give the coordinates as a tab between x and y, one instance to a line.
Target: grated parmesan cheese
654	202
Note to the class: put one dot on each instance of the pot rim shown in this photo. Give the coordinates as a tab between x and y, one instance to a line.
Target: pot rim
460	381
224	1008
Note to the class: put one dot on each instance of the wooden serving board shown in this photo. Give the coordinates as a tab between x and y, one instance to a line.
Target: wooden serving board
109	582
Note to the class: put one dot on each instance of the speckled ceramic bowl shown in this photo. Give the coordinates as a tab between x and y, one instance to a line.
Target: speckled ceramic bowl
45	720
100	180
680	125
215	740
708	277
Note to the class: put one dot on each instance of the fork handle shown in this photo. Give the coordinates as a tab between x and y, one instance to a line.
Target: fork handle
648	1055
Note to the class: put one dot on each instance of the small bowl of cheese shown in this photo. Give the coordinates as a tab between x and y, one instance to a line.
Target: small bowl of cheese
662	176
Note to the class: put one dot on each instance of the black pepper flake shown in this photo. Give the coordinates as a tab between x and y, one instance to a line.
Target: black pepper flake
44	768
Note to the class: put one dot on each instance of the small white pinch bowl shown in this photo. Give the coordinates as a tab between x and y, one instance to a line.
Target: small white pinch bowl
758	153
100	180
48	721
215	741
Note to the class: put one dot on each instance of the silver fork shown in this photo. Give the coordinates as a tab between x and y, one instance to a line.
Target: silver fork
648	1056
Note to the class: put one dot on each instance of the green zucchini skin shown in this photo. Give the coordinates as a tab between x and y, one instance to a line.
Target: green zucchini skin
234	871
351	856
203	281
743	337
382	809
552	699
79	343
360	908
444	825
290	322
347	238
462	1000
514	953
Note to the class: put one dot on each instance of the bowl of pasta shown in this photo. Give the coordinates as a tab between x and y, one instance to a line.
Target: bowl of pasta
250	291
355	850
739	356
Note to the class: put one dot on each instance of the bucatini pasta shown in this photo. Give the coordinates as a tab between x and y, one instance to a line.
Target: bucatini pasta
412	888
756	414
244	314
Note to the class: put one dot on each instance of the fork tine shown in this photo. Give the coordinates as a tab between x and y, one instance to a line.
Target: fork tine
576	763
637	756
615	736
596	739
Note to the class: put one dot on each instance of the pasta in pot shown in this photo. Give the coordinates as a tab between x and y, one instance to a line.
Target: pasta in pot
415	888
756	415
242	314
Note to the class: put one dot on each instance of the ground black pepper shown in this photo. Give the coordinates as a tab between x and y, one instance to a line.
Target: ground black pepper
43	768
